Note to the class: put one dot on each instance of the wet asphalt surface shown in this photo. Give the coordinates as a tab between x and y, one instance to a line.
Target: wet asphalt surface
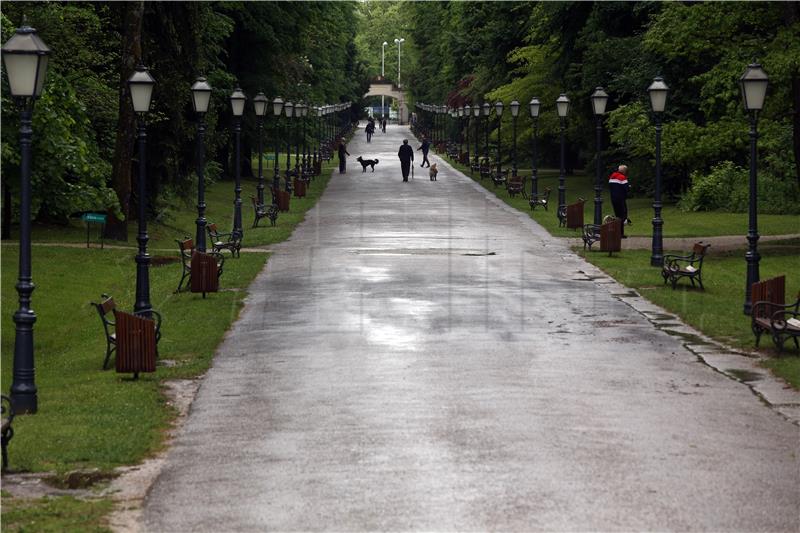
420	357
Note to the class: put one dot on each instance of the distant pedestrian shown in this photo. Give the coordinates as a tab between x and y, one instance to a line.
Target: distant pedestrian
406	155
383	125
426	145
618	183
342	156
370	129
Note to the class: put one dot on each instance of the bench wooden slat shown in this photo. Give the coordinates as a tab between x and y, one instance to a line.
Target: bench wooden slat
136	343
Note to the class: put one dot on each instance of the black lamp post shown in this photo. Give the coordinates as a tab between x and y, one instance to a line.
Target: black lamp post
599	100
237	107
277	108
476	112
534	107
201	97
305	139
658	101
467	109
25	56
141	87
498	107
753	83
288	110
459	114
318	136
514	112
562	107
260	105
486	110
298	113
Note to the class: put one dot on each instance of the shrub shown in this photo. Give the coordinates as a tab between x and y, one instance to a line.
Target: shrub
726	188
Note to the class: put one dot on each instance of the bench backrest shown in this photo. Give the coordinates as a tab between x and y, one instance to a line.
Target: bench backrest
770	290
136	343
699	249
106	306
186	246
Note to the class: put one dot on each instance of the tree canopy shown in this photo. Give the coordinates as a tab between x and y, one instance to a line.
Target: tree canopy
454	53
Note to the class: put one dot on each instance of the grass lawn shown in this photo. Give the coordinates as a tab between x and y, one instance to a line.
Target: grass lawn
717	311
90	418
55	515
677	223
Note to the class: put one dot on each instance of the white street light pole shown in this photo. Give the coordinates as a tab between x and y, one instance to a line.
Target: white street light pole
399	42
383	73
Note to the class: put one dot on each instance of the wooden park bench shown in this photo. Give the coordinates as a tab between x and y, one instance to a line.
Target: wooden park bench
485	168
500	178
7	431
516	185
590	235
186	250
685	266
108	307
261	211
770	314
540	199
609	233
224	241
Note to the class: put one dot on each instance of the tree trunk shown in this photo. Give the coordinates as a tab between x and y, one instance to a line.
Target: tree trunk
122	169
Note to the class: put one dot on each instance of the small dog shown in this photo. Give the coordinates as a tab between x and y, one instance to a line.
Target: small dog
367	163
432	172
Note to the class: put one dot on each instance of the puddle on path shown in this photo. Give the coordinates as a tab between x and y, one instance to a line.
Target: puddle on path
744	375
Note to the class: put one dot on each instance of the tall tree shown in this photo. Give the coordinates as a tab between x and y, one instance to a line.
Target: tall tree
122	169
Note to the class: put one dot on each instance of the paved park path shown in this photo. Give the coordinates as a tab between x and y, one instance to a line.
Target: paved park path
419	356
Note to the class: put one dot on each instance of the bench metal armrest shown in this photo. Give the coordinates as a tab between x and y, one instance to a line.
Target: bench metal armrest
778	320
769	308
155	316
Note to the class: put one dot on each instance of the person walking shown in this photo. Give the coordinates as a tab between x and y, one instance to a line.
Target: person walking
425	146
406	155
383	125
618	183
370	129
342	156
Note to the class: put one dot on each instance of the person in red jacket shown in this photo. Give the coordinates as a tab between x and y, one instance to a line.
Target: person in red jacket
618	183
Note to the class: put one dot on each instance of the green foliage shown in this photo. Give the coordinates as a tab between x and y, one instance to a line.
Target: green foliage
726	187
510	51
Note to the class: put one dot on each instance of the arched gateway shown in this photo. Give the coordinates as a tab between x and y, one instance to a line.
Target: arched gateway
383	87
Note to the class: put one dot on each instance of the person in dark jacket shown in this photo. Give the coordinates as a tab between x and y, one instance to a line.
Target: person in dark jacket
370	129
383	125
425	146
342	156
406	155
618	183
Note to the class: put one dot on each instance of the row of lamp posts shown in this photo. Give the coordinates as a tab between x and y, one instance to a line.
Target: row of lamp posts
753	84
26	57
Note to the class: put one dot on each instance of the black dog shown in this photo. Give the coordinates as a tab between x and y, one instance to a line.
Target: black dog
367	163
